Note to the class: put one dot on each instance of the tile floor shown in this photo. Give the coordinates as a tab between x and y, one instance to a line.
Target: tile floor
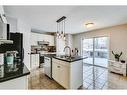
99	78
93	78
38	80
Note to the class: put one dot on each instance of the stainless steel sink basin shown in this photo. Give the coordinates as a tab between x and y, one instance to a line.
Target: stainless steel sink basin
69	58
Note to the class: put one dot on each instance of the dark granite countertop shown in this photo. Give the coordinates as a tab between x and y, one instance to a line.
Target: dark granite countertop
49	55
8	72
72	59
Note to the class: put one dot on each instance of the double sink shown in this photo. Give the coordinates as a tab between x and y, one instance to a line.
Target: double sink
68	58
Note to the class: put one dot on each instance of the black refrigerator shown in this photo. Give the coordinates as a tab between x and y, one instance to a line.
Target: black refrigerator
16	46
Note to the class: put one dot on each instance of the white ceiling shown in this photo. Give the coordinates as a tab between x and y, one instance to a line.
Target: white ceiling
44	17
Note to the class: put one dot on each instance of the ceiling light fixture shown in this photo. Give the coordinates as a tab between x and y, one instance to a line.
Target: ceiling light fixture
89	25
61	28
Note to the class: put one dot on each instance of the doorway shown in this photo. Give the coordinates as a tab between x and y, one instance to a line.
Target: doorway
96	49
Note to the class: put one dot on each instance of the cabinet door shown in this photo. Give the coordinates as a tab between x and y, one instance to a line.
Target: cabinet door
64	78
32	62
60	73
3	34
51	40
1	10
37	60
56	72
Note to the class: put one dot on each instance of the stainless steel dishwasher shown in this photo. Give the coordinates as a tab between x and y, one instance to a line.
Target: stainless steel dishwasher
48	66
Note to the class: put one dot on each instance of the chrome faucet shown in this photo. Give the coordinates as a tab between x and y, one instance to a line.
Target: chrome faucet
69	50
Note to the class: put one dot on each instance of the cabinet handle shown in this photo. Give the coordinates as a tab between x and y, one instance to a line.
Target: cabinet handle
58	66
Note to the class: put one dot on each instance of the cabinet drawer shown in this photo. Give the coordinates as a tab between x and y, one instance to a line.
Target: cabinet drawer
55	60
116	64
60	62
65	63
116	70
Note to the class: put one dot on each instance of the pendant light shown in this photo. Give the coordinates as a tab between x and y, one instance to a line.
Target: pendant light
62	31
57	33
64	35
61	28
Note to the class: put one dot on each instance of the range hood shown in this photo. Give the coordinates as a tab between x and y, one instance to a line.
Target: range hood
43	43
4	41
4	33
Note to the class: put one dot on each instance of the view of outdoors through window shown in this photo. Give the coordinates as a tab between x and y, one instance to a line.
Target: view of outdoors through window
96	49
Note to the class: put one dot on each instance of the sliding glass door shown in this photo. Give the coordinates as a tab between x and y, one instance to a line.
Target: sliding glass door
96	49
101	51
88	50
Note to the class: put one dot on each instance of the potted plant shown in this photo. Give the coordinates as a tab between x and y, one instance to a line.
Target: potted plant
117	56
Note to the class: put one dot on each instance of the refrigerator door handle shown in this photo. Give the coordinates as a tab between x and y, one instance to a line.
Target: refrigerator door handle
22	54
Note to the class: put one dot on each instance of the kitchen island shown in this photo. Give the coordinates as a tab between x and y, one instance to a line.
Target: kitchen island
68	71
14	77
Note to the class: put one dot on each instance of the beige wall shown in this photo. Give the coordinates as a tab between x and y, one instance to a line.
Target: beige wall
117	39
